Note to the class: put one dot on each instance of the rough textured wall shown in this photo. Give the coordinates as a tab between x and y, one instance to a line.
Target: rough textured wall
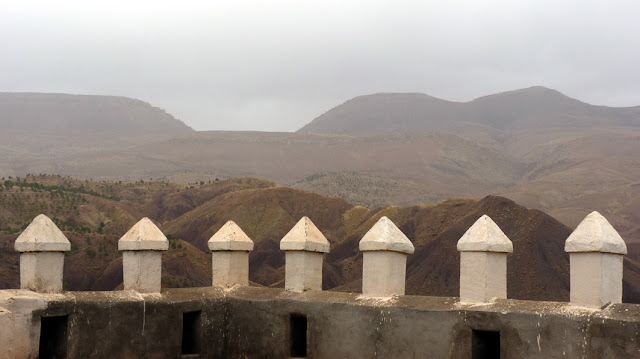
256	323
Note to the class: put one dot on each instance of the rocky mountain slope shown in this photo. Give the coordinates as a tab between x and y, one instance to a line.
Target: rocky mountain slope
64	115
536	146
42	132
525	109
94	215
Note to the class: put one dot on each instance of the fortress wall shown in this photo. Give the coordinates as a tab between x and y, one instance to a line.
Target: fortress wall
232	320
251	322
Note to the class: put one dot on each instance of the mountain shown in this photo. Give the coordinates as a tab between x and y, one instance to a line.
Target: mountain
451	166
63	115
42	131
525	109
94	215
536	146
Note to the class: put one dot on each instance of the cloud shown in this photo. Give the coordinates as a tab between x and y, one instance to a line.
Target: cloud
275	65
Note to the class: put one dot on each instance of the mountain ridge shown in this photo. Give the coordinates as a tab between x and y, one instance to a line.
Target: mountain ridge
68	114
590	164
94	215
510	110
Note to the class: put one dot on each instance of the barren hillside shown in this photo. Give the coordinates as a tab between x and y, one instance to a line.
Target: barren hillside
64	115
525	109
537	146
94	215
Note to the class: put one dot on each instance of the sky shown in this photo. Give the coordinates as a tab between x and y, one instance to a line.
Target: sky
276	65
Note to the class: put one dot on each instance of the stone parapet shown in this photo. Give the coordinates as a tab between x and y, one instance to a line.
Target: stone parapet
230	248
304	247
142	248
255	322
42	260
596	253
483	262
384	259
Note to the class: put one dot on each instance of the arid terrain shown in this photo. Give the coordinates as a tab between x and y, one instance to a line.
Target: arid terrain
415	158
536	146
94	215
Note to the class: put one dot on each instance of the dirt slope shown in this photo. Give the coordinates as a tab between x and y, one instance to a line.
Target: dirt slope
524	109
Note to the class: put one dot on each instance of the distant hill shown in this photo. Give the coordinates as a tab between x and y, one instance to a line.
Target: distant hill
525	109
64	115
41	132
94	215
535	146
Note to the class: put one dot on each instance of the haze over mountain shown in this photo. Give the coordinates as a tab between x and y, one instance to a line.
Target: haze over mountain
526	109
67	115
94	215
536	146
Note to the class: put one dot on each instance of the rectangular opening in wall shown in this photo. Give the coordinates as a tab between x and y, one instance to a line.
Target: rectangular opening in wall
485	344
298	336
191	333
53	337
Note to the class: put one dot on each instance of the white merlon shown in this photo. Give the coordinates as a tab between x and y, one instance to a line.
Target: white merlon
596	262
142	248
143	236
42	260
42	235
305	236
230	237
385	236
230	248
485	236
384	259
595	234
304	247
483	262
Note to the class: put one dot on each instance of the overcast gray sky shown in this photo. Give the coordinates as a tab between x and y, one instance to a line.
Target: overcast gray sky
275	65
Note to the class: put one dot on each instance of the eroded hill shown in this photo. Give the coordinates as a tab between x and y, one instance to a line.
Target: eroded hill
525	109
94	215
536	146
63	115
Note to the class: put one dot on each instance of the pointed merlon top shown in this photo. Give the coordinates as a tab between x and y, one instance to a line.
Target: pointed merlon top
385	236
230	237
485	236
595	234
305	236
42	235
143	236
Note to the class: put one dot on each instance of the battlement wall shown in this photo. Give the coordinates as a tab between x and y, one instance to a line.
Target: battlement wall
251	322
233	320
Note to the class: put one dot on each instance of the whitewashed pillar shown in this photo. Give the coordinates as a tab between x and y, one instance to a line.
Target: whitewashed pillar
142	248
42	246
595	254
304	248
230	248
384	260
483	262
